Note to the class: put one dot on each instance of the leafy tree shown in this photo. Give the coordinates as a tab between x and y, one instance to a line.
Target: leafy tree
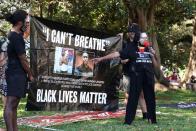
155	16
175	34
109	16
8	6
175	44
191	68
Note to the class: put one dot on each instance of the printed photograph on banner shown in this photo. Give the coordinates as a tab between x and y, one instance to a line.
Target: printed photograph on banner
63	62
83	65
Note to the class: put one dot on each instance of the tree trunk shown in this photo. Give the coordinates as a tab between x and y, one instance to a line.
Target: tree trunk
158	72
191	67
41	10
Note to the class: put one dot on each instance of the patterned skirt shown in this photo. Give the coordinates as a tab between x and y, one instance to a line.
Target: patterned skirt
3	84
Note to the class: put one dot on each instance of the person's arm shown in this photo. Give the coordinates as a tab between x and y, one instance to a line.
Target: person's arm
20	51
153	57
25	65
107	57
124	61
178	78
154	61
2	58
170	78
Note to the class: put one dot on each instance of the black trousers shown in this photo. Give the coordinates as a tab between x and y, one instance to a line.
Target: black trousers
138	81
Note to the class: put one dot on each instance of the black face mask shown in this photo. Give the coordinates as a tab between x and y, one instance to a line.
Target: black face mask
23	27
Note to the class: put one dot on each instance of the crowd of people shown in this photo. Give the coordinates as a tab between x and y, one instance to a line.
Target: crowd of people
175	79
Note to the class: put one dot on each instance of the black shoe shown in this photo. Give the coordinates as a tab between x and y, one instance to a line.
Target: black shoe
151	121
126	123
145	115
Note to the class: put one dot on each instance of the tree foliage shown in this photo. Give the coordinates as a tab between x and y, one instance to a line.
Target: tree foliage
109	16
163	19
175	44
174	29
9	6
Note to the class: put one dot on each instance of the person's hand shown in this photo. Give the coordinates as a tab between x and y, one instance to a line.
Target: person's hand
152	51
120	34
31	78
124	61
96	60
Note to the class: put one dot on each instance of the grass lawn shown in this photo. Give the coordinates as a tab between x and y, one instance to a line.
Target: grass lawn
169	119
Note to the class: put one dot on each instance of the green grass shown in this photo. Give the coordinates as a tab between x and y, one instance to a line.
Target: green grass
169	119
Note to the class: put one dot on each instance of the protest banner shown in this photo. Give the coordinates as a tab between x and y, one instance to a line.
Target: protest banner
65	76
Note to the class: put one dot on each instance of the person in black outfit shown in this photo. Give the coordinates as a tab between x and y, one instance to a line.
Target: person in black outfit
126	80
17	68
141	75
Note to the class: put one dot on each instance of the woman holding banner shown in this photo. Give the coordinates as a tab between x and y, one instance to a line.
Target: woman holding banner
18	68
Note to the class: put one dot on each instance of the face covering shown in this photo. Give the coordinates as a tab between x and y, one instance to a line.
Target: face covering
141	42
143	39
23	27
144	43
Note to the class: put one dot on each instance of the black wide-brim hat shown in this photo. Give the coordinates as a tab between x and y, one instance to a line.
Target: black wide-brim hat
133	28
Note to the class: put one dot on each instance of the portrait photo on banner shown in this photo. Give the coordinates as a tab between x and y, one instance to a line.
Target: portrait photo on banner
83	66
64	58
